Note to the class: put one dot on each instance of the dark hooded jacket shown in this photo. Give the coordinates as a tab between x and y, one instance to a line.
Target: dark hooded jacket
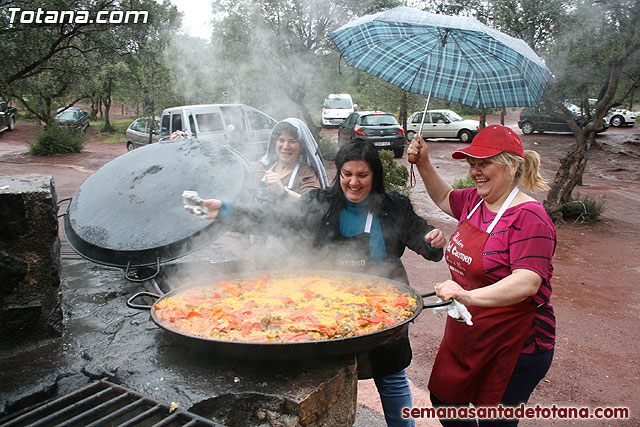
314	222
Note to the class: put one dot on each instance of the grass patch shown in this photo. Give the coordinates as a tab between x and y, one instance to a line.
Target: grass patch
395	175
116	136
111	138
583	209
465	182
57	140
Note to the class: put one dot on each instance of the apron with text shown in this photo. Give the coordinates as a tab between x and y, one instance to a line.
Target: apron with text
474	363
390	357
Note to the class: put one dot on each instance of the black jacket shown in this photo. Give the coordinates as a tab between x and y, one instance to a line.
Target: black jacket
313	222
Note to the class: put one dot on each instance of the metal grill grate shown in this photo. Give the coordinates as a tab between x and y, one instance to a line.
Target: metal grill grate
103	404
66	252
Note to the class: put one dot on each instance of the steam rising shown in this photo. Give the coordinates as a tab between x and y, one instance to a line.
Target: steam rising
253	62
278	246
265	67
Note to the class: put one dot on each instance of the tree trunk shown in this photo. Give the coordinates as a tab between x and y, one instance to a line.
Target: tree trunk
569	175
107	105
573	165
483	118
153	122
402	116
306	116
94	108
48	117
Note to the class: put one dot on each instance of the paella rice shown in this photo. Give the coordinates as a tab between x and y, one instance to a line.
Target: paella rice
286	308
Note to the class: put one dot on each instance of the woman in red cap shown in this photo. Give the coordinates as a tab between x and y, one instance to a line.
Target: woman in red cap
500	263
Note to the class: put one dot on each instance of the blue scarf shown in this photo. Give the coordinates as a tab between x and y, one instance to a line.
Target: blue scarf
353	219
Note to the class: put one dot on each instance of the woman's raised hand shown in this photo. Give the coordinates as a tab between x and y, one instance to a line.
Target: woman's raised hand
273	180
418	151
435	238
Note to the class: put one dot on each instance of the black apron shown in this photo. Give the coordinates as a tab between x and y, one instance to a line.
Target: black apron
354	255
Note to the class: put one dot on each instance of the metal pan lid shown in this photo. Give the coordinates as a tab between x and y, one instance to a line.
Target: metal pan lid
129	212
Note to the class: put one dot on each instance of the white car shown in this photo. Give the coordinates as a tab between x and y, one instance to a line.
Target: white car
442	124
336	108
618	116
621	117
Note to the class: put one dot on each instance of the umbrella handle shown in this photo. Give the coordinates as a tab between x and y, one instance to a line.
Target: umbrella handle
413	158
412	172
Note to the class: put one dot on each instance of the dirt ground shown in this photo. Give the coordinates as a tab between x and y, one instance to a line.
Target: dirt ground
596	295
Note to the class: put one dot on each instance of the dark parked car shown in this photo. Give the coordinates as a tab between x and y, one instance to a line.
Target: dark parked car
377	127
534	119
7	116
73	117
137	134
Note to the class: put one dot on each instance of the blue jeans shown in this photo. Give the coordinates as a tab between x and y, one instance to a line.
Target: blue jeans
395	394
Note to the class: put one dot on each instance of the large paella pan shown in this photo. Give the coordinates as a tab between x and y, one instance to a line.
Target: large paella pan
294	315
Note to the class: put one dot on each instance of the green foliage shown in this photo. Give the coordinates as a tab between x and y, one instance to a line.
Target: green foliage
538	23
57	140
599	47
270	54
586	210
465	182
395	175
118	126
602	40
328	148
58	65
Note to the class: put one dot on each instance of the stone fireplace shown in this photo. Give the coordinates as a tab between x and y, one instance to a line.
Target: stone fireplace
29	259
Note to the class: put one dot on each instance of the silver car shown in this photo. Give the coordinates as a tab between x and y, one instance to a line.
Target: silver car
442	124
137	133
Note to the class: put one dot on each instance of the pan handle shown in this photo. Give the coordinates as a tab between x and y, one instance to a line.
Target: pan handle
434	304
66	212
131	304
144	279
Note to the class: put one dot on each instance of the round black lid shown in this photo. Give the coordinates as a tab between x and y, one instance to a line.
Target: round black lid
130	212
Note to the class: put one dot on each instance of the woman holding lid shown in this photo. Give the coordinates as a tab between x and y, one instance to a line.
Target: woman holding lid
500	263
354	225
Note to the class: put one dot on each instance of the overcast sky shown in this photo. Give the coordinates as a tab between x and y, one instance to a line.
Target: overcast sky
197	14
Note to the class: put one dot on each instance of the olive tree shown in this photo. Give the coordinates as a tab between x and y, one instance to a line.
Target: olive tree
57	64
600	43
589	46
42	63
275	48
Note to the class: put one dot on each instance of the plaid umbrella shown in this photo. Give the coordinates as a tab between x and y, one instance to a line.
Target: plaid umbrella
448	57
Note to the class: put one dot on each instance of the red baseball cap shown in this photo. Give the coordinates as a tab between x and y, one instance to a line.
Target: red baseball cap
490	141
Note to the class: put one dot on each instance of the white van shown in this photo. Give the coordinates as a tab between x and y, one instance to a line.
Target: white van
237	125
336	108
